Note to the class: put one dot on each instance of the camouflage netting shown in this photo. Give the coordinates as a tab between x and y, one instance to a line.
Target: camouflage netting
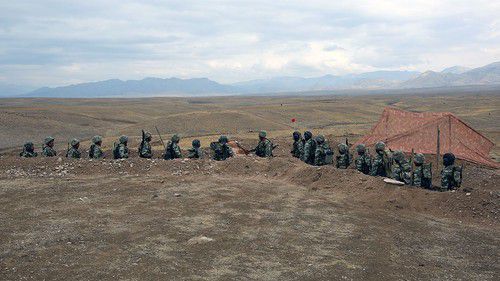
403	130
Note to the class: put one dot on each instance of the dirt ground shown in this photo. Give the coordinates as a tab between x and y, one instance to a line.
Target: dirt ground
243	219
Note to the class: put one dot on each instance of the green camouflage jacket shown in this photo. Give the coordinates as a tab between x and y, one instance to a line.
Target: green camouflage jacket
121	151
145	150
364	163
95	152
323	155
378	166
309	151
264	148
73	153
195	153
173	151
48	151
344	160
221	151
422	176
451	177
28	154
402	172
298	148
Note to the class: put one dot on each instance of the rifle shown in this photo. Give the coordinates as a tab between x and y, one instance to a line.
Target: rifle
158	131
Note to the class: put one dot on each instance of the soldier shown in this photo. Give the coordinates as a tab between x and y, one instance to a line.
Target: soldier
48	148
402	170
120	151
173	150
28	150
195	152
344	158
265	147
221	149
380	163
451	175
309	148
323	155
145	146
364	160
298	145
73	151
95	151
422	176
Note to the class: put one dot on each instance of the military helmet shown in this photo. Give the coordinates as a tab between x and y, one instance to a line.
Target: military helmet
262	134
448	159
147	135
196	143
29	146
47	140
296	135
398	156
123	139
342	148
223	139
320	139
419	159
361	148
74	142
307	135
175	138
96	139
380	146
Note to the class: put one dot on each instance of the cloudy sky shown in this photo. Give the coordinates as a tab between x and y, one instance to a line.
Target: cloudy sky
52	42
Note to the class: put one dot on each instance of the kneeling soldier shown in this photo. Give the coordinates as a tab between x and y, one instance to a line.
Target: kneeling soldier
364	160
120	151
173	150
381	162
145	146
48	148
195	152
402	169
344	158
95	151
221	149
73	150
451	175
28	150
323	154
265	146
422	176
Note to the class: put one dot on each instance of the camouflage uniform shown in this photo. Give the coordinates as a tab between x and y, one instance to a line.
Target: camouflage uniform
264	147
121	150
173	150
195	152
380	162
95	151
344	158
364	160
402	169
48	148
298	145
145	147
323	155
451	175
28	150
309	148
73	151
222	151
422	176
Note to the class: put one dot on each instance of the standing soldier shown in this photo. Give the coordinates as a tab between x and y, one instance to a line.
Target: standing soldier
145	146
73	151
28	150
364	160
195	152
298	145
402	170
173	150
120	151
221	149
323	155
451	175
422	176
265	147
309	148
344	158
48	148
380	163
95	151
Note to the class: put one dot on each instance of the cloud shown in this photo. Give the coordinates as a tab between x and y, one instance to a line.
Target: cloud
57	42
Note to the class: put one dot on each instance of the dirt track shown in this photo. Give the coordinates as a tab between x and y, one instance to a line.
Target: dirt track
246	218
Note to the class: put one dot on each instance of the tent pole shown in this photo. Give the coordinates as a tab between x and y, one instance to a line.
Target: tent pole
438	150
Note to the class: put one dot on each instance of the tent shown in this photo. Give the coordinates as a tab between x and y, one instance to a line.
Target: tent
404	130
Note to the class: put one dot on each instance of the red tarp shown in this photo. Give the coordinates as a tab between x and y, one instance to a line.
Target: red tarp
403	130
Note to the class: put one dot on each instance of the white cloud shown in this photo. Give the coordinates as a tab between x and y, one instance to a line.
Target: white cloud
56	42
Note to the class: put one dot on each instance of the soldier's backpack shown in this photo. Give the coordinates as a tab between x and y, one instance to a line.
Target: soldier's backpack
457	176
169	152
116	151
91	151
328	155
217	148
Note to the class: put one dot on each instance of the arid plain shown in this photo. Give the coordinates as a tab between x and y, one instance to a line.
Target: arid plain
246	218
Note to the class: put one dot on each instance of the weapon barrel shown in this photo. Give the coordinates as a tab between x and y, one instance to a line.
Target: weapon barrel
161	139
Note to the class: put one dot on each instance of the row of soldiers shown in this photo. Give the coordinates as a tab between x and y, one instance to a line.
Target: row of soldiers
221	149
316	151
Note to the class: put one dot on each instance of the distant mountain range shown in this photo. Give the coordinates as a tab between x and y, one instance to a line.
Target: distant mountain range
449	77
